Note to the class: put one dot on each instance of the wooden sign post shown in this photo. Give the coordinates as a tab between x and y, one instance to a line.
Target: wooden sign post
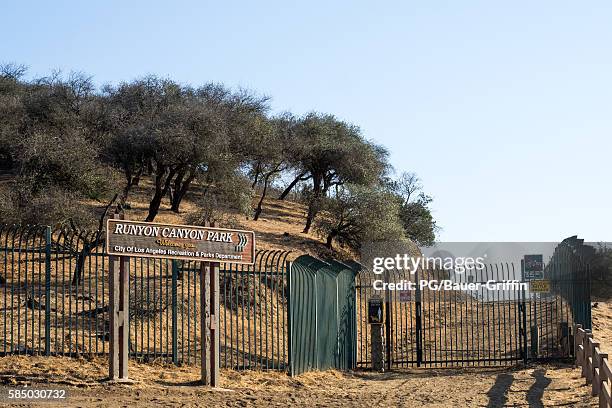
209	301
119	321
209	322
207	244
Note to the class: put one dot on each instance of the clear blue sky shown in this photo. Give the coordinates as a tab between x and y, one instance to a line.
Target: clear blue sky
502	108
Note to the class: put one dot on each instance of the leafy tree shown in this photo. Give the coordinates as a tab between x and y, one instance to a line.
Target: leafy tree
270	155
358	214
330	153
414	211
236	136
43	139
144	122
11	113
177	134
232	196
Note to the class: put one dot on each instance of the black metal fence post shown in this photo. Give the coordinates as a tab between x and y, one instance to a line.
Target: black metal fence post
388	322
175	268
523	308
48	290
419	322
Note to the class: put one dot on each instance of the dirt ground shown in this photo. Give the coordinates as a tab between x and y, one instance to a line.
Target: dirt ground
162	385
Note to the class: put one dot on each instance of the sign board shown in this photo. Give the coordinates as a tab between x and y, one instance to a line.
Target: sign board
533	267
405	296
539	286
376	310
185	242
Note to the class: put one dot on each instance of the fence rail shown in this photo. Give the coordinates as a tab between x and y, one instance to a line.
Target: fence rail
54	300
594	365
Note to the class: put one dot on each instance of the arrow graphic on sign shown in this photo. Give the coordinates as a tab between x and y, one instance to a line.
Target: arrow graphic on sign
242	242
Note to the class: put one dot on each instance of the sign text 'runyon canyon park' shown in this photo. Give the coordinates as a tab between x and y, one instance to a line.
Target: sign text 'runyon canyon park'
185	242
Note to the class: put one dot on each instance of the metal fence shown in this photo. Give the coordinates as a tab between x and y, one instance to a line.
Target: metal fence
442	328
570	277
54	300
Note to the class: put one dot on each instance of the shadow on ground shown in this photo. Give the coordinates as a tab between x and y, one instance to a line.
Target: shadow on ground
498	393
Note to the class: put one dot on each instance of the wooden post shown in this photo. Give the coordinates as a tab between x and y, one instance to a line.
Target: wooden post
209	323
598	375
588	358
605	395
119	315
577	340
583	352
593	346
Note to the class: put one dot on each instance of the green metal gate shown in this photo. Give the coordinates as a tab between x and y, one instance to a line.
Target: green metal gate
322	325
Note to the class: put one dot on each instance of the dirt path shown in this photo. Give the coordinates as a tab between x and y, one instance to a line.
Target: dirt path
177	386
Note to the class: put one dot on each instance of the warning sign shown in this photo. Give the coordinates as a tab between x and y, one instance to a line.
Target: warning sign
539	286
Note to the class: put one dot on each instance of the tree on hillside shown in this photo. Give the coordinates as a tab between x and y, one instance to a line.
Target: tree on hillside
358	214
240	125
11	112
269	157
177	134
44	135
330	153
414	211
223	201
45	141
